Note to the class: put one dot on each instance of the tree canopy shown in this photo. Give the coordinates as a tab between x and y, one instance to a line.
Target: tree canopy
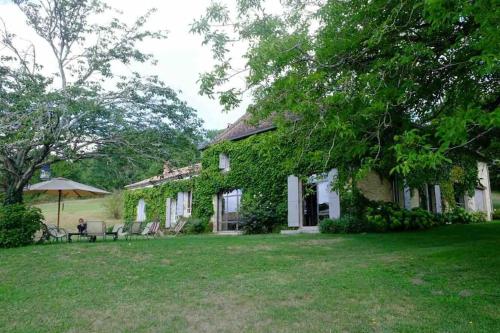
407	88
89	108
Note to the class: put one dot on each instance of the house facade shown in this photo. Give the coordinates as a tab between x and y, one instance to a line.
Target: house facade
249	164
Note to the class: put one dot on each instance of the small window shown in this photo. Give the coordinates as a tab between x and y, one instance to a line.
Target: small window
224	162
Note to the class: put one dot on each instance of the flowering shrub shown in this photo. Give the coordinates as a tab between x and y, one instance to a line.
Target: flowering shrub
459	215
258	217
385	216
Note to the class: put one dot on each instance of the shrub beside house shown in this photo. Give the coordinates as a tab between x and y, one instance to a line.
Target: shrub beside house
247	181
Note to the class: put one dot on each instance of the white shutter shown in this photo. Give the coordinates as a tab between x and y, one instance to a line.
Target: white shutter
173	209
407	197
141	211
180	204
294	202
437	195
223	162
168	213
333	197
479	200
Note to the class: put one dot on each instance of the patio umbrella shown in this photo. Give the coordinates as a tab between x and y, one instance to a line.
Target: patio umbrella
64	187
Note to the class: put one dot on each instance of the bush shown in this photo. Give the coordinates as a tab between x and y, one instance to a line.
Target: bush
114	205
387	216
258	217
195	226
459	215
353	203
496	214
345	224
18	224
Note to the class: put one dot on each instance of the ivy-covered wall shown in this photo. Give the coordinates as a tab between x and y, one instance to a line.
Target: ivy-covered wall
259	165
155	198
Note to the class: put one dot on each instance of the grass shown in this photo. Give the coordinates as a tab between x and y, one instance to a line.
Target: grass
442	280
72	210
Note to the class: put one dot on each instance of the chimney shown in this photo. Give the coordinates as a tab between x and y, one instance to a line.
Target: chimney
167	168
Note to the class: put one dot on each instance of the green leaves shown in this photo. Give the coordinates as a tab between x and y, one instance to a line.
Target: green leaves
400	87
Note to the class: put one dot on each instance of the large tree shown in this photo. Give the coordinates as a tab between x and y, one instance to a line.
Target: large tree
404	87
89	108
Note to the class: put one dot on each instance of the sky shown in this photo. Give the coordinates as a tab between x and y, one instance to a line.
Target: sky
181	57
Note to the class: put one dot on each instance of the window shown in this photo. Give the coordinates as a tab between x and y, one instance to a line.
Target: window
323	200
224	164
427	197
397	192
183	207
229	205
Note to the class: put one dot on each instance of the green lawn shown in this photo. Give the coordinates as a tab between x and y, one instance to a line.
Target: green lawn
72	210
443	280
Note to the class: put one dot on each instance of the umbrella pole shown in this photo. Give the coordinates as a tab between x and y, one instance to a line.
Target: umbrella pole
58	209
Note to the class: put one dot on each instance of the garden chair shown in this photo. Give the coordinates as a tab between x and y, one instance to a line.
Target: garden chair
134	228
122	230
151	229
115	232
96	228
51	231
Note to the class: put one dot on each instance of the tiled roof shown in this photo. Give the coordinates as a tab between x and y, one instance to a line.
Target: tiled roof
171	175
242	129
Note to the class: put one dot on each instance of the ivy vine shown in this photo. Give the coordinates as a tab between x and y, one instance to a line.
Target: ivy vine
259	166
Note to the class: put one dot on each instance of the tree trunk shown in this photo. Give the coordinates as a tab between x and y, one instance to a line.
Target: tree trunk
13	194
14	186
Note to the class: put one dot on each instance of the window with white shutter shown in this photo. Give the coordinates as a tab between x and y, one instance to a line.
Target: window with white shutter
224	164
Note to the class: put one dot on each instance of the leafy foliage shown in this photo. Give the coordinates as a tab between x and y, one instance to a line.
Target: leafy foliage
258	216
154	198
71	115
459	215
383	217
387	216
18	224
344	224
196	226
114	205
408	88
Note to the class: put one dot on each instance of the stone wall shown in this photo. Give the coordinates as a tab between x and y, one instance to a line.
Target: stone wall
376	188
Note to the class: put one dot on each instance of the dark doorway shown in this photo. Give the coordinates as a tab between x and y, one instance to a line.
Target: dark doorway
310	206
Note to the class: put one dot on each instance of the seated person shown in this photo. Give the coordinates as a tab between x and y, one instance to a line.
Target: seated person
82	226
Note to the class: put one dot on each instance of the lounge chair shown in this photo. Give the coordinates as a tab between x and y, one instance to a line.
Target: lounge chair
117	231
151	229
134	228
96	228
51	231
